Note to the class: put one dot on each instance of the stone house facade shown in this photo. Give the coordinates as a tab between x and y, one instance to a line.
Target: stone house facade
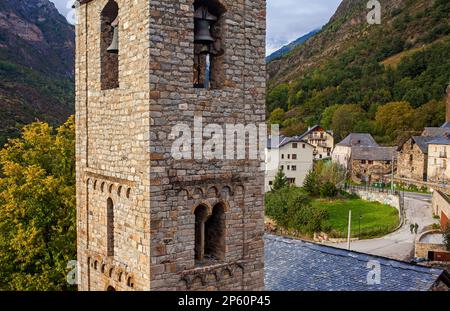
321	139
372	164
294	156
145	220
413	158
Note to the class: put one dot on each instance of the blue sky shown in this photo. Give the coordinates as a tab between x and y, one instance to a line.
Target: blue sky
286	19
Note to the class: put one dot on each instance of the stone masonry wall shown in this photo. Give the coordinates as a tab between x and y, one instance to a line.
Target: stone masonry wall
412	169
112	151
177	187
124	150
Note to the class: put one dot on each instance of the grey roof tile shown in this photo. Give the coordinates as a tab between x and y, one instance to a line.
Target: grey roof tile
295	265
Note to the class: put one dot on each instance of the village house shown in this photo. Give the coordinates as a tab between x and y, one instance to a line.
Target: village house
372	163
343	151
293	155
321	139
439	160
413	158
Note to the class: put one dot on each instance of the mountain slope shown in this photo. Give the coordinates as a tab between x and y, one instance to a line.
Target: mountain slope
37	48
287	48
406	58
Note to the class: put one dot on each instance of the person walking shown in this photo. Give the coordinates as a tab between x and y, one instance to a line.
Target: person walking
416	228
411	227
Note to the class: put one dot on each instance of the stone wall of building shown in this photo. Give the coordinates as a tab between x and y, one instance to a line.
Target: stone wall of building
124	146
441	207
370	171
438	163
412	162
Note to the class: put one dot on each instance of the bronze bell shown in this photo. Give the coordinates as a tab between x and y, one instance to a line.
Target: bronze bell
114	47
203	22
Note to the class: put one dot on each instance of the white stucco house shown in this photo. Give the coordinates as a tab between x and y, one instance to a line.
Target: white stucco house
293	155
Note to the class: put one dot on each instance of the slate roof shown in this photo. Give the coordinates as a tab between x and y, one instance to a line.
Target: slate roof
294	265
441	140
422	142
284	140
371	153
358	139
435	131
312	129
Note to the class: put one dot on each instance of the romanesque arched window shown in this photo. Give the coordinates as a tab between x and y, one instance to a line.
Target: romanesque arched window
210	233
209	34
110	227
109	56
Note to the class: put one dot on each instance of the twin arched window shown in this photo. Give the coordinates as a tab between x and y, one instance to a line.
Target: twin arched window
210	233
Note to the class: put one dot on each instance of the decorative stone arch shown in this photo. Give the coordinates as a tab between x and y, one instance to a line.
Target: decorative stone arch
212	192
102	186
110	288
119	191
226	192
198	193
128	195
130	281
111	188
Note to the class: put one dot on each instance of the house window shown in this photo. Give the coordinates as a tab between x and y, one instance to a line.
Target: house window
110	227
282	156
370	162
109	55
294	157
210	233
208	48
304	146
282	167
289	156
288	167
411	157
294	167
294	146
363	161
291	181
270	183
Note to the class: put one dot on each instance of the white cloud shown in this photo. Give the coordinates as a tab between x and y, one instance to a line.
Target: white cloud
289	19
286	19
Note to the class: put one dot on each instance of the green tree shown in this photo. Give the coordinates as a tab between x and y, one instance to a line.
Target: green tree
327	116
280	181
37	208
277	116
394	119
432	114
311	184
345	119
291	209
278	97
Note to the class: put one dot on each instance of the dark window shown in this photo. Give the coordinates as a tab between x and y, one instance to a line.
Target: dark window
210	233
209	26
110	227
109	56
282	156
304	146
294	157
294	145
363	161
294	167
289	156
270	183
370	162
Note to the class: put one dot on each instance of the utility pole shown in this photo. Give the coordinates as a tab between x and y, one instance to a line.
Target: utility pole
349	228
392	183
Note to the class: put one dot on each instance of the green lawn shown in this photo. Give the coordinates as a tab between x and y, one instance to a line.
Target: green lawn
376	219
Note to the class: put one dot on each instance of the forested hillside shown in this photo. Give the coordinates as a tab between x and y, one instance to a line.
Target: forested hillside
37	48
387	79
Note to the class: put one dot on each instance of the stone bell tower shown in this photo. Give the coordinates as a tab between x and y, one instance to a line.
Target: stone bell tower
146	219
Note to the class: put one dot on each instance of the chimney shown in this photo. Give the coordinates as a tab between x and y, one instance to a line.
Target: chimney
447	115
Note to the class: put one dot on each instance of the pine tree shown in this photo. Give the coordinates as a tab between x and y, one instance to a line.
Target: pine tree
280	181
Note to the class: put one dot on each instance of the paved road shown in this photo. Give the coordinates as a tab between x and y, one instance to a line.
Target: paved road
400	244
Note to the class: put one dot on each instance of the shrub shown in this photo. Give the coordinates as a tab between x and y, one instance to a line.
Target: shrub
291	209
